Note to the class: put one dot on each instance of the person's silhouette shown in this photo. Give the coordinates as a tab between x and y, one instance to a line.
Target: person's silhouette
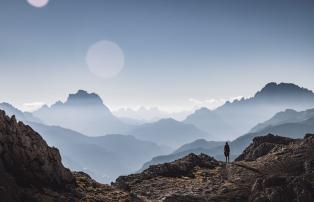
227	152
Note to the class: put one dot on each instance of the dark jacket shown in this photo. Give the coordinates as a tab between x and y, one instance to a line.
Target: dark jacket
227	150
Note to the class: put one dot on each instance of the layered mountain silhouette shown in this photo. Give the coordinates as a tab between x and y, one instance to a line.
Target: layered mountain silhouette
281	123
104	157
86	113
83	112
287	128
123	154
169	132
287	116
240	116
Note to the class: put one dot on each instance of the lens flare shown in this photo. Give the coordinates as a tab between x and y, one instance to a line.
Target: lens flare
38	3
105	59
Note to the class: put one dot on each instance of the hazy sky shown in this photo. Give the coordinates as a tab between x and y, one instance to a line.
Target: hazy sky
176	52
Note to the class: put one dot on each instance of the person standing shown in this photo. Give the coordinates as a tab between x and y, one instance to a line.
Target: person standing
227	152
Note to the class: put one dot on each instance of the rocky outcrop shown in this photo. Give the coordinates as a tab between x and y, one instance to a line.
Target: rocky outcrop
27	165
262	146
92	191
289	173
181	168
192	178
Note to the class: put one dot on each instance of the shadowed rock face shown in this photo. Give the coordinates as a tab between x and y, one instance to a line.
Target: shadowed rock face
289	173
30	170
27	164
262	146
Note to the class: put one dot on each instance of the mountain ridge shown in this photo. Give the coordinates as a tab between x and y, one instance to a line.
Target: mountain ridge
242	115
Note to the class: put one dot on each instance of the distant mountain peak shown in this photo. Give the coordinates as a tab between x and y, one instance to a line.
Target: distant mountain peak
167	120
290	111
83	97
202	110
5	103
274	88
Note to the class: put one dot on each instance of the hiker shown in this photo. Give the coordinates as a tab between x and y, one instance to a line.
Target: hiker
227	152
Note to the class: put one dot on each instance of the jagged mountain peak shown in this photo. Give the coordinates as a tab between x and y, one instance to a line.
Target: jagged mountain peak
83	97
281	89
83	112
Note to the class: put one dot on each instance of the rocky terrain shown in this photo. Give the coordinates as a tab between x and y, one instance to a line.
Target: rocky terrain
272	168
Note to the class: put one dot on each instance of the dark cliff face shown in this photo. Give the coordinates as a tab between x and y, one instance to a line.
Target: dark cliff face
27	164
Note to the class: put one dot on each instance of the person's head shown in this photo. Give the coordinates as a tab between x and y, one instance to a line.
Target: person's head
226	143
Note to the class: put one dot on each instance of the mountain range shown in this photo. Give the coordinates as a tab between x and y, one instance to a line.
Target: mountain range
78	127
85	112
236	118
103	157
282	123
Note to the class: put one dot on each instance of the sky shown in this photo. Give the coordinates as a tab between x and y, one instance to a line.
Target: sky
171	54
